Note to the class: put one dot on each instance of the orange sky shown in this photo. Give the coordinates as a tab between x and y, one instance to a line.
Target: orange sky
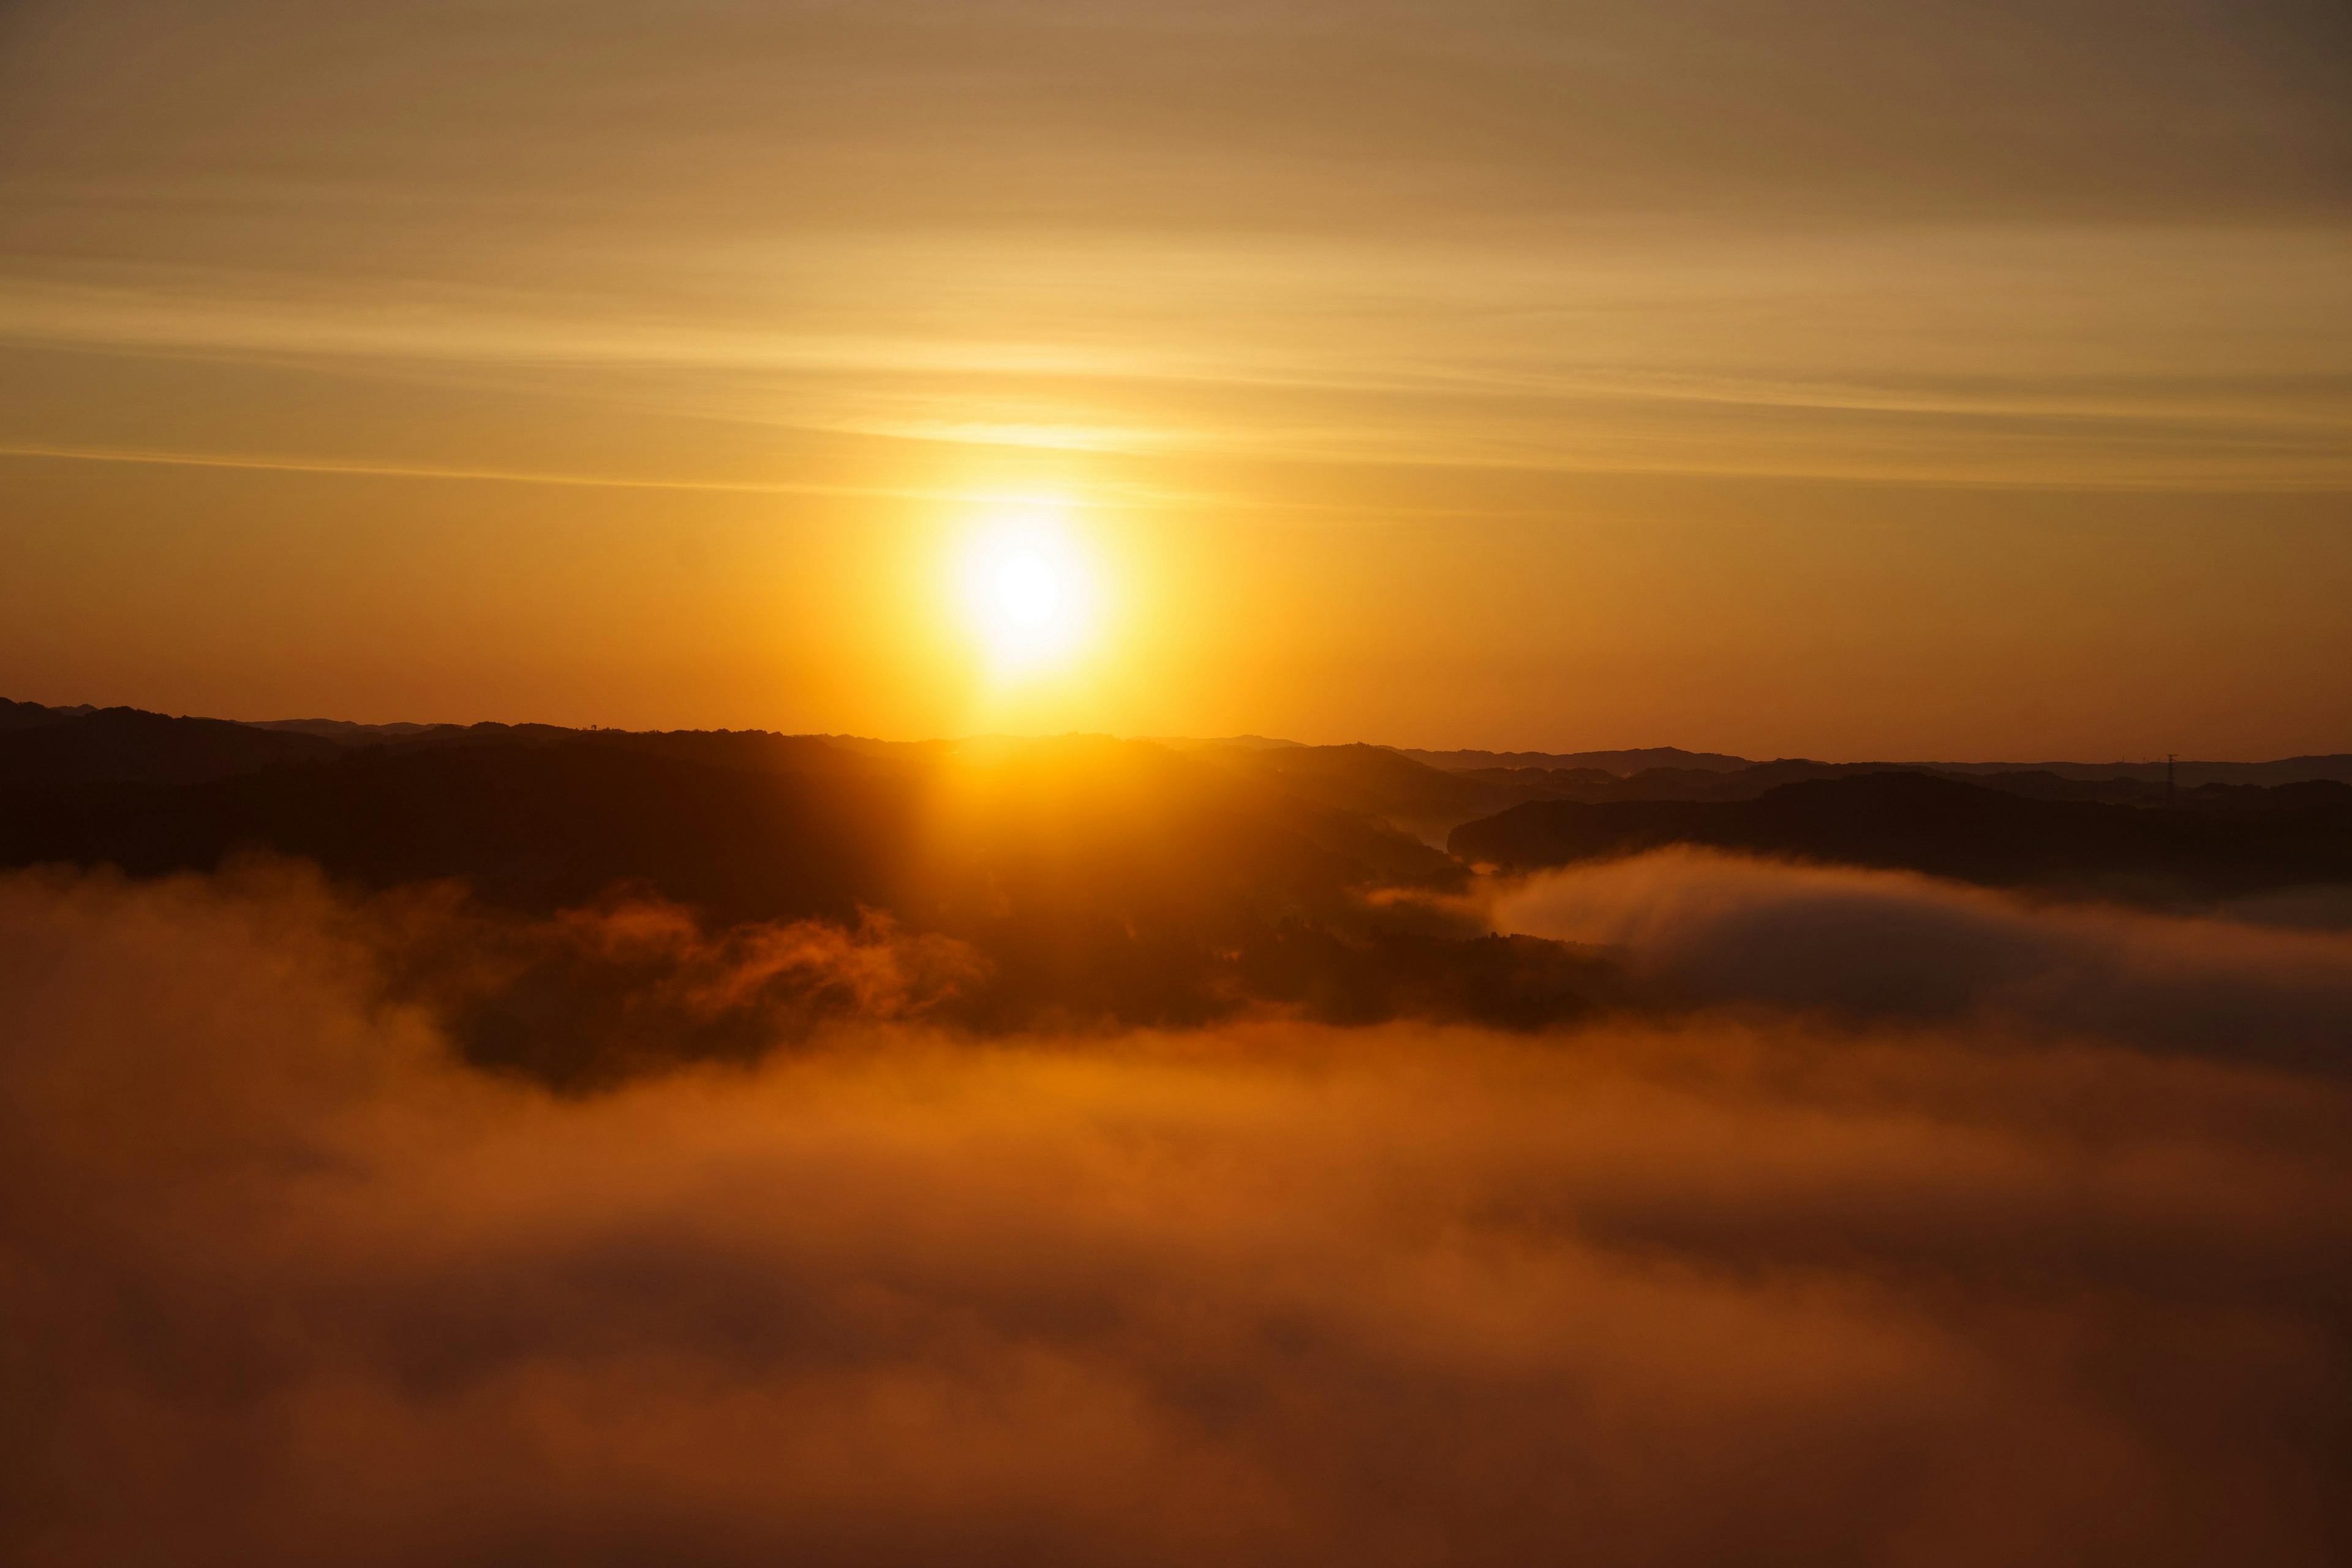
1831	379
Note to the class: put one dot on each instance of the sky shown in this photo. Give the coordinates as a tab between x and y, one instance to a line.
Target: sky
1964	381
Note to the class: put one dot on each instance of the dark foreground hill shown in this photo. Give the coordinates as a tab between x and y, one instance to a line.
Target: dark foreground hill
1072	881
1376	783
1949	828
1408	792
2209	783
127	744
1089	878
528	828
1621	763
1668	773
33	715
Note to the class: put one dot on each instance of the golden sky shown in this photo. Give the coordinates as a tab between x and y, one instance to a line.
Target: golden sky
1840	379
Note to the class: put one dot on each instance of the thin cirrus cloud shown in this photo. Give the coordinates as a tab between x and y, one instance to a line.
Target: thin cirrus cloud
1588	349
2001	243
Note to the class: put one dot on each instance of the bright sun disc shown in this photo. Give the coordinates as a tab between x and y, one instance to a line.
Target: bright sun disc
1028	592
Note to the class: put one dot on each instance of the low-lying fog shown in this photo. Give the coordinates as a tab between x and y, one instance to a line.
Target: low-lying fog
1887	1223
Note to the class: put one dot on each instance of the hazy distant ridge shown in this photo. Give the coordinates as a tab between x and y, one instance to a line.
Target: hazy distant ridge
1626	762
1092	877
1422	792
2186	772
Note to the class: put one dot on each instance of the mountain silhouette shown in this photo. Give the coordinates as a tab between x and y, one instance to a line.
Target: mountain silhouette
130	745
1623	762
1093	878
344	730
2187	773
1962	830
2060	782
33	715
1085	878
1667	773
1377	782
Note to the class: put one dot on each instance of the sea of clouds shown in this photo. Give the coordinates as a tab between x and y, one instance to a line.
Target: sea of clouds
1891	1223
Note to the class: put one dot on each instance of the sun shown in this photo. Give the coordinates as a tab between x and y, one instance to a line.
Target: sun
1028	591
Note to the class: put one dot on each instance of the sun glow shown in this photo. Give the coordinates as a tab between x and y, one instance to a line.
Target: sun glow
1029	592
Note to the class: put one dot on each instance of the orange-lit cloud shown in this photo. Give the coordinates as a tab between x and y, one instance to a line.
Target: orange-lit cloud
294	1285
1703	929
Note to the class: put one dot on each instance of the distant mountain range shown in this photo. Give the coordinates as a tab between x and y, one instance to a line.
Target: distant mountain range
1094	878
1695	771
1633	762
540	813
1128	880
32	715
2225	840
1664	773
127	745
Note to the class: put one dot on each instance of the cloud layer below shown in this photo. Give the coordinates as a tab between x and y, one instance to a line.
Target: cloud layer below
1849	945
282	1282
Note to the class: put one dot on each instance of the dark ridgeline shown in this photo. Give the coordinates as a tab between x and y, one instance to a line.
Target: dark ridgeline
1430	793
115	743
1666	772
2221	840
530	828
1375	782
1096	880
1075	882
33	716
2063	781
1640	760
